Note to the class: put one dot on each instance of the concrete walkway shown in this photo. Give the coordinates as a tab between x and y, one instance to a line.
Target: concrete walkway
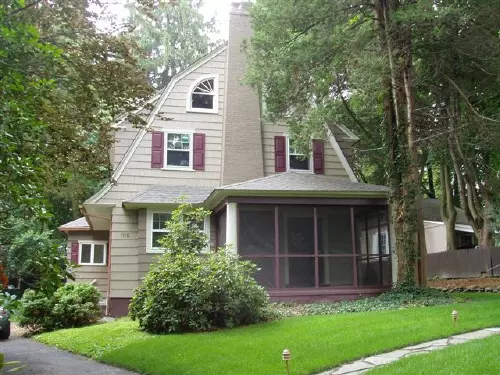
363	365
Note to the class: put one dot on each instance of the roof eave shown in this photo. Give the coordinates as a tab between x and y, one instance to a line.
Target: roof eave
219	194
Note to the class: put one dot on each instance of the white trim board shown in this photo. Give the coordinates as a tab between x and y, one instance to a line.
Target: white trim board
141	133
341	156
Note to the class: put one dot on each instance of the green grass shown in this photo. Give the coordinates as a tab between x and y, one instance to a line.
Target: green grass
476	357
316	342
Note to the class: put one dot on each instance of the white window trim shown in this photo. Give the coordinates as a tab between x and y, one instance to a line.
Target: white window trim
92	243
215	109
191	150
310	170
149	231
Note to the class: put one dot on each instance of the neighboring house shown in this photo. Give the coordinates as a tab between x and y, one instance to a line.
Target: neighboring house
435	229
314	231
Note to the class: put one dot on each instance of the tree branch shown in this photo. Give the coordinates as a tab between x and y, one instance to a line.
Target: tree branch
30	5
469	104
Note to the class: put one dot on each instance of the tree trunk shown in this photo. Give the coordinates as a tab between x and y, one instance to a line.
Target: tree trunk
448	212
395	43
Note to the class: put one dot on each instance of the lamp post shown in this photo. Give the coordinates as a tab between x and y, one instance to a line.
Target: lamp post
454	316
286	358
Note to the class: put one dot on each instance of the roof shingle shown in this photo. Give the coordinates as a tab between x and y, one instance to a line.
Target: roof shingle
171	194
298	181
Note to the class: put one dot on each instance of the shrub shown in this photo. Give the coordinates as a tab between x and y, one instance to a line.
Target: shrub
35	311
76	305
72	305
187	291
195	293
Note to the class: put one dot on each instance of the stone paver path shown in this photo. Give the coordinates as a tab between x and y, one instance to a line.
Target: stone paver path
363	365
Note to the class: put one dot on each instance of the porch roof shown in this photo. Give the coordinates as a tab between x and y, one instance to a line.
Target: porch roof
298	184
300	181
79	224
165	194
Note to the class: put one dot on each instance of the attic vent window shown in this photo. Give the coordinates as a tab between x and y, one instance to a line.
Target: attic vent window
203	96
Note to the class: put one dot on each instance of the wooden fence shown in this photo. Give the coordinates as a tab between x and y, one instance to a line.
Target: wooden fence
464	263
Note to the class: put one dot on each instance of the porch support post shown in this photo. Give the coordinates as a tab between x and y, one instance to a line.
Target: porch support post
232	226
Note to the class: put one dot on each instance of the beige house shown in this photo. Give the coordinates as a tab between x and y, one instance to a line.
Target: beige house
314	231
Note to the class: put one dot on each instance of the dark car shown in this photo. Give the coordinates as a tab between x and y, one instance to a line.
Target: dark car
4	324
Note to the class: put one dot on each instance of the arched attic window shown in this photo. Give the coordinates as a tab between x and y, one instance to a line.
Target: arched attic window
203	95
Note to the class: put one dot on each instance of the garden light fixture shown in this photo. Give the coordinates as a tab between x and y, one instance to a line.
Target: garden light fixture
454	316
286	358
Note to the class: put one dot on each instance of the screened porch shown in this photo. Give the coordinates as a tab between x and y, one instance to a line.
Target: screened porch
307	251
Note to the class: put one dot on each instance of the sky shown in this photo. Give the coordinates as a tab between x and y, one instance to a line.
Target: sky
219	8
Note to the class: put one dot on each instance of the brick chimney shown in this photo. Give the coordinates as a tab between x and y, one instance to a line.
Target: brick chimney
242	155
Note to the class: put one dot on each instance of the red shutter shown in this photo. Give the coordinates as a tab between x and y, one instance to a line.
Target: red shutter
319	156
157	150
280	153
74	252
199	151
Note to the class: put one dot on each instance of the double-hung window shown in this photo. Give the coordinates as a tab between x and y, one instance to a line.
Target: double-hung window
296	160
179	150
158	229
92	253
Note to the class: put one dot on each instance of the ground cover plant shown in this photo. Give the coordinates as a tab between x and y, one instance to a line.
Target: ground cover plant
476	357
316	342
398	298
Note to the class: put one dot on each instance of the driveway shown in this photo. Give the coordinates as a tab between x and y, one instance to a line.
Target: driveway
45	360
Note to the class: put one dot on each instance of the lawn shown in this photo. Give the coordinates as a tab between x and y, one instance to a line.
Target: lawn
476	357
316	342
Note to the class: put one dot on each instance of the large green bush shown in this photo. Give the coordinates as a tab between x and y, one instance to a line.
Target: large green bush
188	291
72	305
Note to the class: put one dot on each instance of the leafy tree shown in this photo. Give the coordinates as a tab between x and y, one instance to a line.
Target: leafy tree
170	37
323	62
33	256
26	79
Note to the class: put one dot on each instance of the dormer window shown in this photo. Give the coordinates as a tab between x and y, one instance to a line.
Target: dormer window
203	96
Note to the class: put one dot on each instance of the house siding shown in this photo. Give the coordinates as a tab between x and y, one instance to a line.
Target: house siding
87	274
138	173
333	166
124	252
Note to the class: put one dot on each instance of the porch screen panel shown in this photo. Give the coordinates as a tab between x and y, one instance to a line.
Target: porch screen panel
256	230
336	271
372	246
334	230
296	232
265	271
296	272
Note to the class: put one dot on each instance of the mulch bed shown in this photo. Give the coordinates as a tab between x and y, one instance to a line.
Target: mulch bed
483	284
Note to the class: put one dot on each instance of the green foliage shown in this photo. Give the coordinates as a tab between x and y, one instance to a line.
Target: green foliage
169	37
33	255
72	305
9	302
26	70
185	233
189	292
35	311
186	291
398	298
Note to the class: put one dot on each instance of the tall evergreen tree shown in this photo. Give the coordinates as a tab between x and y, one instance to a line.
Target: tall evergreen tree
170	37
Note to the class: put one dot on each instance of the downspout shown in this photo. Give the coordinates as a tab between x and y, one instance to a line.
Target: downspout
108	286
